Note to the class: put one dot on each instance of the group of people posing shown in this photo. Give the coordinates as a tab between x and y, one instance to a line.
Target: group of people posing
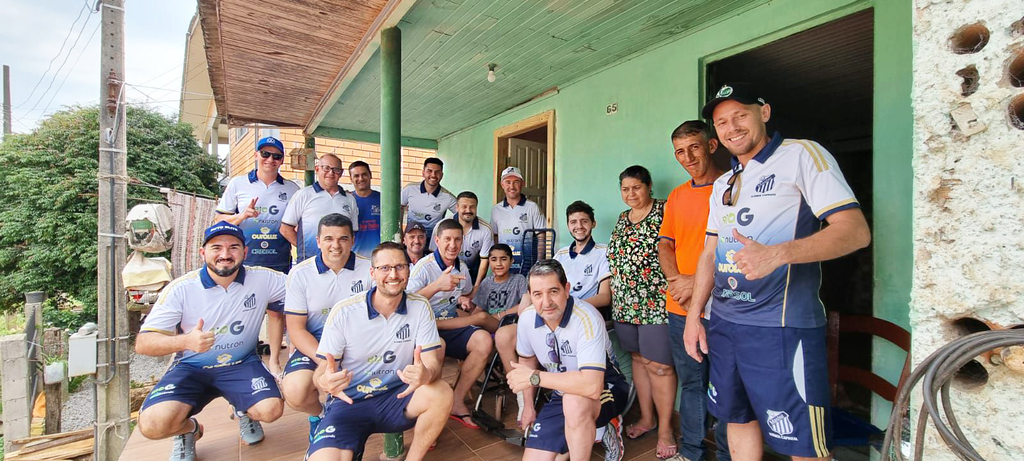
713	293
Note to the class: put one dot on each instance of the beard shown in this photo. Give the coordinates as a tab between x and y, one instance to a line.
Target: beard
389	291
223	272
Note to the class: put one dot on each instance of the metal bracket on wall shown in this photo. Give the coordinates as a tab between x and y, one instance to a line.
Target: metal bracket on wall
967	120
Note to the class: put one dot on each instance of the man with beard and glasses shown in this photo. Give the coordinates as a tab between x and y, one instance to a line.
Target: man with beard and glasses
386	345
477	238
761	263
415	241
210	319
564	347
427	202
314	286
324	196
586	261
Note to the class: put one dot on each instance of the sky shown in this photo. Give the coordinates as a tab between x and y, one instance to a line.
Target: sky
34	31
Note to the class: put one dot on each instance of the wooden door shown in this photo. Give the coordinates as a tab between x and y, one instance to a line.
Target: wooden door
532	160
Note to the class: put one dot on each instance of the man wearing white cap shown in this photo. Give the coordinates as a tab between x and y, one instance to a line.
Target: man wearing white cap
514	215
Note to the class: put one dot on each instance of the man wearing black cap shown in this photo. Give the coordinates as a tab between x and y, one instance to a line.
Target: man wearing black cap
415	241
761	264
210	319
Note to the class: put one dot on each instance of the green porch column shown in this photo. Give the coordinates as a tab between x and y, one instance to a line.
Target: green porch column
391	163
311	160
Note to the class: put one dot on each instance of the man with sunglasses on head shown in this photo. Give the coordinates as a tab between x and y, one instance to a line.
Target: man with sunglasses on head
563	346
323	197
761	264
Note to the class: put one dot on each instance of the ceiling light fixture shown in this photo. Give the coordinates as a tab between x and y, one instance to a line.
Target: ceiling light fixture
490	72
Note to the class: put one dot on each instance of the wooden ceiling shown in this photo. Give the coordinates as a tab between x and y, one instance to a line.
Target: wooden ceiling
271	61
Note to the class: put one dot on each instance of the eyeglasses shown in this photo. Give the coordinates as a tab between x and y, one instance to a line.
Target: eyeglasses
336	170
396	267
732	194
266	154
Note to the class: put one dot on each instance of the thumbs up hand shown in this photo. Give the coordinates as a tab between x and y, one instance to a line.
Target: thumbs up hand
447	281
756	260
334	382
198	340
414	374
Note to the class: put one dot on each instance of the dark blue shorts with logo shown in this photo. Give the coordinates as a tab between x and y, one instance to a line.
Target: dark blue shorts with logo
455	341
548	430
347	426
777	376
243	385
298	361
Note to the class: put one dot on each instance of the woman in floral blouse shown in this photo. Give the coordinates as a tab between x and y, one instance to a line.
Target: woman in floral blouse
638	306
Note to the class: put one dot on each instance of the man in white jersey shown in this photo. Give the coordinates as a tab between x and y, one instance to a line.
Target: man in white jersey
443	279
324	196
514	215
386	345
563	346
210	319
766	335
477	238
314	286
427	202
585	261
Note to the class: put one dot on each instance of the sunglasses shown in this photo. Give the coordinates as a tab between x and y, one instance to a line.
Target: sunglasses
552	341
266	154
732	194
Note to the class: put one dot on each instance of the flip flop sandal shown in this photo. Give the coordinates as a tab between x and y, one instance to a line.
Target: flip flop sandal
631	427
462	420
661	447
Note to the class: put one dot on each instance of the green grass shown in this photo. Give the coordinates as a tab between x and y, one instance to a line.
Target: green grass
12	324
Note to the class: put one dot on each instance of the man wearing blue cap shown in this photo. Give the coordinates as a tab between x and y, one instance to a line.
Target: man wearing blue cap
256	203
210	320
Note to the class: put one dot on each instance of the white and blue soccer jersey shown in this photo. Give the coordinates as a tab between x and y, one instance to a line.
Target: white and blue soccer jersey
785	192
509	221
267	247
586	269
374	347
476	244
444	303
307	207
313	288
426	208
235	314
580	342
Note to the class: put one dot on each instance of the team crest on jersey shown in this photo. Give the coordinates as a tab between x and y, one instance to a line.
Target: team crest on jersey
589	270
347	208
476	245
524	217
724	92
765	184
259	384
566	348
437	207
250	302
357	286
403	333
283	196
778	422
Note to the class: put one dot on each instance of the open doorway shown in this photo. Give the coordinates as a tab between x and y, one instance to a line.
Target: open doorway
529	146
819	83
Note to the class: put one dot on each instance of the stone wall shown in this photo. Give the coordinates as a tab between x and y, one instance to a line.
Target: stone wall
968	103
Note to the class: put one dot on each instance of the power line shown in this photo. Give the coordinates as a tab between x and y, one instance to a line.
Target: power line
63	62
72	69
41	77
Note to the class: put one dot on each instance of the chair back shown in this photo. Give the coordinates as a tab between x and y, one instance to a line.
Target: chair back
538	244
838	324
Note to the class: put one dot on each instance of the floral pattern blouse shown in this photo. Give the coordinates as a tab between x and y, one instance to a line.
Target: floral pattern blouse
638	285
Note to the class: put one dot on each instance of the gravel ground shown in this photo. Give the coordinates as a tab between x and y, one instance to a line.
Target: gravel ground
79	408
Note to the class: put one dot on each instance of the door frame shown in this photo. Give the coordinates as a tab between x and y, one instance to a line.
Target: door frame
501	136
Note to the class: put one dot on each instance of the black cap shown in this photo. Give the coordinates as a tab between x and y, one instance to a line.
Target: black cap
743	93
415	226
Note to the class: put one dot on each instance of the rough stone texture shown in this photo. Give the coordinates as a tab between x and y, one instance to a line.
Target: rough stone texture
968	232
16	412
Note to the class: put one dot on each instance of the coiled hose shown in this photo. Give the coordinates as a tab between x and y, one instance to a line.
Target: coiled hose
937	373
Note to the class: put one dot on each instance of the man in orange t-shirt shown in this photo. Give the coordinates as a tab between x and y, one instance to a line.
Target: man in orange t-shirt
681	242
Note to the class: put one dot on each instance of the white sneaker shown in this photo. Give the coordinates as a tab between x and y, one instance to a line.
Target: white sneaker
183	447
612	440
250	430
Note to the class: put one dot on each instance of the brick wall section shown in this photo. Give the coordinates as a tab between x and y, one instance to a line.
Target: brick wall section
241	161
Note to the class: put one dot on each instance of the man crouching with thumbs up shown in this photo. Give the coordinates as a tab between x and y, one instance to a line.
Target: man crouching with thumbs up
210	319
380	360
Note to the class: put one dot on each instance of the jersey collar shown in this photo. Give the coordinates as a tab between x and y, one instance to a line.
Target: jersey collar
318	189
204	277
765	152
522	201
372	313
442	265
586	248
423	189
476	223
321	266
539	322
253	178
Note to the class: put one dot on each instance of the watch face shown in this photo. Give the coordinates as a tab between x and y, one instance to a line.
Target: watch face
535	379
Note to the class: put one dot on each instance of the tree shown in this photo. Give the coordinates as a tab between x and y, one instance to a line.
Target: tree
48	189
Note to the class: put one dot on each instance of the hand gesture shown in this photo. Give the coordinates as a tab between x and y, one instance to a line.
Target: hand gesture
413	374
465	303
694	336
755	260
447	281
250	211
519	377
198	340
334	382
680	288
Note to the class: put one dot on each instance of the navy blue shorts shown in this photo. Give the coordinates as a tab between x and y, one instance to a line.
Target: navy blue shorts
347	427
548	431
777	376
298	361
455	341
243	385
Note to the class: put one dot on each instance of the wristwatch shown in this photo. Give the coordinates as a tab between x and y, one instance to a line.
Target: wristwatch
535	378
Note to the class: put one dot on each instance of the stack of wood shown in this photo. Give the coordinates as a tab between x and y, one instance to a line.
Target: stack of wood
75	446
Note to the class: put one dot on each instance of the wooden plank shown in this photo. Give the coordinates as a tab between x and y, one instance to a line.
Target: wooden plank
60	452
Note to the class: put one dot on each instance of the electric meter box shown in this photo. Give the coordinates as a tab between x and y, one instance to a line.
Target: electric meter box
82	354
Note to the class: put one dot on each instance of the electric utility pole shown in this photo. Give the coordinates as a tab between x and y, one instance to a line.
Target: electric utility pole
112	407
7	101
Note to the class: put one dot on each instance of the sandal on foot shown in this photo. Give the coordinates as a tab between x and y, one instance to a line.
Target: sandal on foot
462	420
632	435
662	449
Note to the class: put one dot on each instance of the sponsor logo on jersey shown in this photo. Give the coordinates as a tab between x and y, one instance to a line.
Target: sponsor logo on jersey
779	425
223	358
733	283
712	393
325	433
386	357
743	217
739	295
577	287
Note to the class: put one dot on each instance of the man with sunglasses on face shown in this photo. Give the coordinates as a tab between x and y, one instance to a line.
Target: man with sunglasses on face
313	202
563	346
761	264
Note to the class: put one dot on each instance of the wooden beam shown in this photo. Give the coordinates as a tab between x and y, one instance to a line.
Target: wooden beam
367	136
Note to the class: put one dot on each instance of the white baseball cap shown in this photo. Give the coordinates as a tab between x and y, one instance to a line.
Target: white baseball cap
511	171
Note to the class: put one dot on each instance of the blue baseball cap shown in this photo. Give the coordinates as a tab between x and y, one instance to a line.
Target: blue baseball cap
223	228
270	141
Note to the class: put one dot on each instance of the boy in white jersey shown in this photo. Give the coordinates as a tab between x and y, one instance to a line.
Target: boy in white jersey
210	319
585	261
314	286
427	202
324	196
511	217
442	278
386	345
